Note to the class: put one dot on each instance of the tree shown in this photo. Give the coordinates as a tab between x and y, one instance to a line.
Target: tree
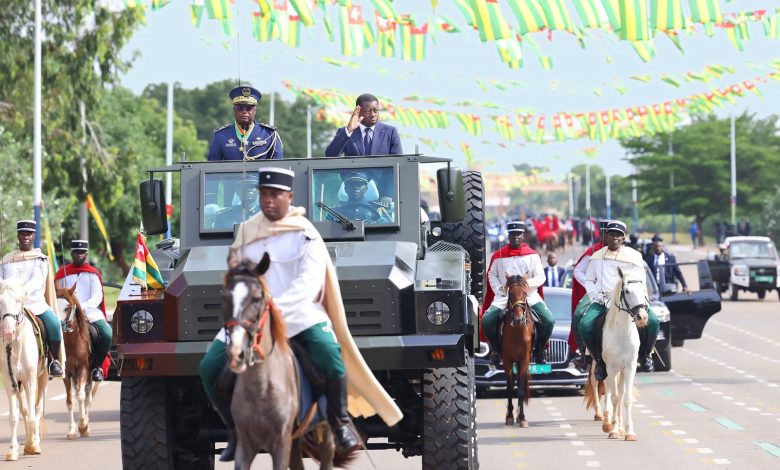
210	108
701	166
620	191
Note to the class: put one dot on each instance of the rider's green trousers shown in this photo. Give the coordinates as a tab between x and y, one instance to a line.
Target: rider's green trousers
543	330
589	314
103	343
52	325
319	341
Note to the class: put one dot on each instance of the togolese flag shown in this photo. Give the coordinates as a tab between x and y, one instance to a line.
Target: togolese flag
667	15
351	27
529	14
490	22
385	9
385	31
413	41
218	9
633	21
705	11
145	270
591	12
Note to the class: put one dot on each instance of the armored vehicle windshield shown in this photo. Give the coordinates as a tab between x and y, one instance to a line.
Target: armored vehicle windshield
368	194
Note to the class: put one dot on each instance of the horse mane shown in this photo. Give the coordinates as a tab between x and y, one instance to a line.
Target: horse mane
278	326
628	273
80	317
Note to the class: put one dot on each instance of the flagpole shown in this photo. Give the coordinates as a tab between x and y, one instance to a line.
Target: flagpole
271	110
37	179
733	172
308	131
609	199
169	156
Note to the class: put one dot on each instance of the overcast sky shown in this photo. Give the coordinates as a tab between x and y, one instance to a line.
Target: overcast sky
172	49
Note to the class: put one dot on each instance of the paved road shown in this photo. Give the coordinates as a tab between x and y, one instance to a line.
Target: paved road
719	406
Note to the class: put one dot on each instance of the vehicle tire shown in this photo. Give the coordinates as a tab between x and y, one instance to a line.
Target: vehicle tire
732	292
449	418
677	343
470	233
761	294
147	429
662	360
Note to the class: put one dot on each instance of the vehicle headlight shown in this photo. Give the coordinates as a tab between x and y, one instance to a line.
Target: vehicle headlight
662	312
142	321
438	313
484	349
740	270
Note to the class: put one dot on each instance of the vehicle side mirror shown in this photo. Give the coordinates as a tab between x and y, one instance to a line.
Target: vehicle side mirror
451	199
153	208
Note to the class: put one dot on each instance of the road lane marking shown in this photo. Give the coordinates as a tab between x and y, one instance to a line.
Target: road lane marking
565	426
699	450
585	453
592	463
58	397
577	443
570	434
686	440
694	407
728	424
769	447
519	453
716	461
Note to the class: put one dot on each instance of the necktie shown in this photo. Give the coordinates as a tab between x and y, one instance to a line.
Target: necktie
554	276
367	141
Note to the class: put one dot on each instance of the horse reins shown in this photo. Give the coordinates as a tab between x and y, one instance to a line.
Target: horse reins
19	317
624	302
255	326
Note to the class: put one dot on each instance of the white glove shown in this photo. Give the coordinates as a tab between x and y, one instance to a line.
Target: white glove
599	297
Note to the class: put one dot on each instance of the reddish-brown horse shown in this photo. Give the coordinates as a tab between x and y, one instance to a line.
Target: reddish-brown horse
516	343
78	379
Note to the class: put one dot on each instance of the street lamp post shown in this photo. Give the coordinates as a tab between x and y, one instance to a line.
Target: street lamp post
169	158
733	173
635	202
673	208
609	199
571	195
587	190
37	178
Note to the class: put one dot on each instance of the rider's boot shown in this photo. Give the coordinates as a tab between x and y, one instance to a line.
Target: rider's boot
55	368
336	395
97	369
645	350
221	401
601	366
540	352
495	355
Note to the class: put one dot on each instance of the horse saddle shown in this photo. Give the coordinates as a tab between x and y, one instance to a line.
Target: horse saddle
41	336
311	384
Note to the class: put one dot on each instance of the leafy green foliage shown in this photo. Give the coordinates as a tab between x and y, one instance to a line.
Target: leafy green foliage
209	108
702	170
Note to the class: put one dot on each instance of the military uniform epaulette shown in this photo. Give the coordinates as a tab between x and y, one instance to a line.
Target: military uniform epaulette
223	127
267	125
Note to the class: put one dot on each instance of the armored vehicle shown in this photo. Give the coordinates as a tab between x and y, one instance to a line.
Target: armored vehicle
411	288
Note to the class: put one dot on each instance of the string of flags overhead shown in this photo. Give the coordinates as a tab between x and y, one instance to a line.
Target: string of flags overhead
528	126
362	25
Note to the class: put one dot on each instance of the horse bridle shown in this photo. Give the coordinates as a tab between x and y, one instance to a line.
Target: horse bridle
623	304
254	326
513	281
19	317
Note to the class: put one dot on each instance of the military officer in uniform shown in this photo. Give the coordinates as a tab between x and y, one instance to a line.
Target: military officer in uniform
258	141
247	191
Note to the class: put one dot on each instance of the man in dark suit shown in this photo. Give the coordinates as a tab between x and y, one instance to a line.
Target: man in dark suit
663	266
364	134
553	274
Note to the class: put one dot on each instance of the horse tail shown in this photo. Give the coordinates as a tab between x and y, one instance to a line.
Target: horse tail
344	458
527	380
592	393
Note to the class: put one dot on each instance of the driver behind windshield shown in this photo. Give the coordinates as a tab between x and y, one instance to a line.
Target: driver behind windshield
246	193
360	204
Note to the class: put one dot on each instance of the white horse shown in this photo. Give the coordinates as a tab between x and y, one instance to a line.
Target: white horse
620	348
23	367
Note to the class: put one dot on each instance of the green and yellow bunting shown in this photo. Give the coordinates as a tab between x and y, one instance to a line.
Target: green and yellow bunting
468	11
413	42
218	9
667	15
196	14
557	16
157	4
612	9
490	21
644	49
771	24
385	9
591	13
294	31
705	11
633	21
510	51
385	31
304	12
263	27
468	153
446	25
529	14
471	124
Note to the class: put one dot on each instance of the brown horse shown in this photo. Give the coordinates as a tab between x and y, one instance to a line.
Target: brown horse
266	399
78	378
517	341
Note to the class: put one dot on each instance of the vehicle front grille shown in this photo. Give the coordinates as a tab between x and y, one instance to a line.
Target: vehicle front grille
557	351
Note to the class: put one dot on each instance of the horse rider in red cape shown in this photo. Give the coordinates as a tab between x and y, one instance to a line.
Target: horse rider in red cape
516	258
599	281
578	294
32	268
89	292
